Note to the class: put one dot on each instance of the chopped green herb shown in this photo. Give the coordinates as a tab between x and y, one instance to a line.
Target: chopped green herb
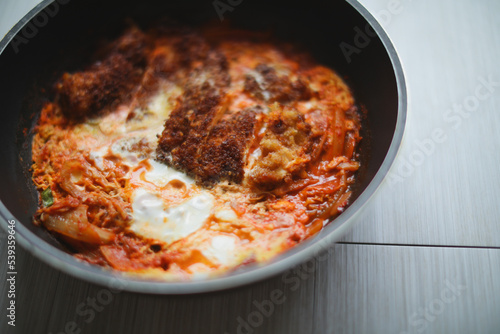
47	198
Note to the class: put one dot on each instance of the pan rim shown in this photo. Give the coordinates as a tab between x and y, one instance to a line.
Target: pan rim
67	264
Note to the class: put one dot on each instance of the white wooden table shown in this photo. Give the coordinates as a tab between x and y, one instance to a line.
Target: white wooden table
425	257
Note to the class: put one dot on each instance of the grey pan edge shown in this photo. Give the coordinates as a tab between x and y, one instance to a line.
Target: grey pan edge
68	264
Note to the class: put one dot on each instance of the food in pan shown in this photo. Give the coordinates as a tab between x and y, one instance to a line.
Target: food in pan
182	154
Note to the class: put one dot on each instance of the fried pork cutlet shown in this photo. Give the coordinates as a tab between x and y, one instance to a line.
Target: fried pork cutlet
182	154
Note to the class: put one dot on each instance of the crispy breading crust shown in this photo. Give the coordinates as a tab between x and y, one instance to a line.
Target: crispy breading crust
189	126
275	88
285	149
85	93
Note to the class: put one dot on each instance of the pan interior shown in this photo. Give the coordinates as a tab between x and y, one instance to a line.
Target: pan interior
333	32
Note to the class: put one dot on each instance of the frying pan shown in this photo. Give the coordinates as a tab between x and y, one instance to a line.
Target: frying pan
56	36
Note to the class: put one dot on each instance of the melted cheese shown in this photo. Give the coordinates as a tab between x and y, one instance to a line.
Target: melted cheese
160	175
153	219
222	249
152	216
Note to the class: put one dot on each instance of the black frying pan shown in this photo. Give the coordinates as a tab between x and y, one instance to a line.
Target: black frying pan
57	35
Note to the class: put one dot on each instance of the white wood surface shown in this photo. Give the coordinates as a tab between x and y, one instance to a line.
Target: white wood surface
453	197
384	277
352	289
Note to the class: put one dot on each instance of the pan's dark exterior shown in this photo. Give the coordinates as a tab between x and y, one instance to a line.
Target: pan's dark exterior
56	37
